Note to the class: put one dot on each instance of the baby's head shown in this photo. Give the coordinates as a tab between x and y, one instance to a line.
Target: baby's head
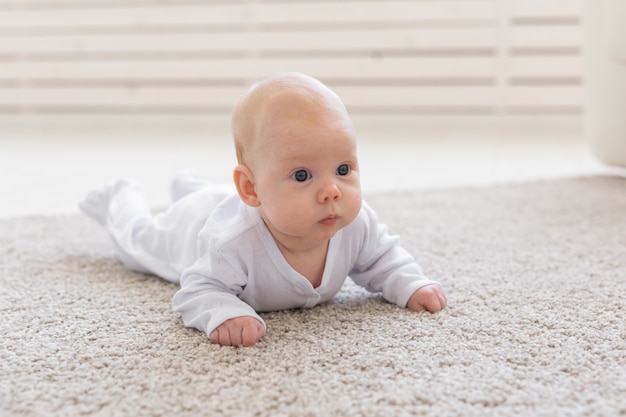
276	103
296	149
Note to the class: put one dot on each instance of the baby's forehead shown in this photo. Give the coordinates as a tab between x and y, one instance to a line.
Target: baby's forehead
288	101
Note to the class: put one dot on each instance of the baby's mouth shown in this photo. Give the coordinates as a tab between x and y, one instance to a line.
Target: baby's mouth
331	220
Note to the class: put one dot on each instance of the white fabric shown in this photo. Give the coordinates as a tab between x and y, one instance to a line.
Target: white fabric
230	266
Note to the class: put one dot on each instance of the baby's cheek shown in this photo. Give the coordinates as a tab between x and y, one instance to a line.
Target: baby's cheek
356	202
292	219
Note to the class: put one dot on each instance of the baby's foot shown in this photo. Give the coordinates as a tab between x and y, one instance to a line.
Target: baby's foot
96	202
186	182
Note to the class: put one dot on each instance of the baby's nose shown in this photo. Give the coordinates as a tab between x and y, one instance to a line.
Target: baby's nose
330	191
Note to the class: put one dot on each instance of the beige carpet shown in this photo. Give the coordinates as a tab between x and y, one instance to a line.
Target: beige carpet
536	324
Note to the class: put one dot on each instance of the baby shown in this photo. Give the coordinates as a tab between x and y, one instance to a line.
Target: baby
289	236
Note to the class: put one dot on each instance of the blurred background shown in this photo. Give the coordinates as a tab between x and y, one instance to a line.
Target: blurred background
443	93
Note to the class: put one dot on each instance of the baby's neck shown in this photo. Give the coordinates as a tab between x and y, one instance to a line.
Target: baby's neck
310	263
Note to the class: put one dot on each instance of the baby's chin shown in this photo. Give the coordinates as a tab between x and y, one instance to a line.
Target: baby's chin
331	227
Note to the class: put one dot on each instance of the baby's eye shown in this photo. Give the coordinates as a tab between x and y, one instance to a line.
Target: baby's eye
343	169
301	175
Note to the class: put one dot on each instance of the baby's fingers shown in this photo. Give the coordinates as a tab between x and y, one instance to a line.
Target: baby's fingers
252	334
430	298
239	331
435	300
443	300
221	336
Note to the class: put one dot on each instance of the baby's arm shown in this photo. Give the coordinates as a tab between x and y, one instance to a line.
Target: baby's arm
212	305
238	331
430	298
384	265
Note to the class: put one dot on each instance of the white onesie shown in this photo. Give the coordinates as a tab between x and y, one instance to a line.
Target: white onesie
228	264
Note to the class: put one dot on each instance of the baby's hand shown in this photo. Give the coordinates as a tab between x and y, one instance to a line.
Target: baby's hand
430	298
238	331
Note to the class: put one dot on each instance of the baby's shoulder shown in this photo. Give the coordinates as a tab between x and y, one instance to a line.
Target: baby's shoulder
366	217
365	221
231	222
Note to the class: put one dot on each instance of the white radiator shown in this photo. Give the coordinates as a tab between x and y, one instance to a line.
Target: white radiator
422	57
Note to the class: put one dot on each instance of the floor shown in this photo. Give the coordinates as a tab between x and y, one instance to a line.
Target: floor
48	164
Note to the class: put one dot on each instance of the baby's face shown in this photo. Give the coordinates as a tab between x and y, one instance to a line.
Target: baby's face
307	175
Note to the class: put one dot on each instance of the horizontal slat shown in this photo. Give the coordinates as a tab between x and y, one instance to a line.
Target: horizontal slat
165	111
549	21
182	56
568	110
108	4
251	15
442	102
241	82
227	97
405	96
542	8
204	111
255	68
545	37
526	7
219	97
545	66
546	81
41	12
522	67
330	40
126	4
267	43
559	96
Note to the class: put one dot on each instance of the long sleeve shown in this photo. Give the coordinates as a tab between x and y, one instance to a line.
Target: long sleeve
382	265
213	289
205	301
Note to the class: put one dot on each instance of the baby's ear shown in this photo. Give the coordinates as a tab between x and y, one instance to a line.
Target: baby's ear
244	181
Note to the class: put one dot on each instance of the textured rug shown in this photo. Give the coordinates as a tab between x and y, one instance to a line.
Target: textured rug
536	325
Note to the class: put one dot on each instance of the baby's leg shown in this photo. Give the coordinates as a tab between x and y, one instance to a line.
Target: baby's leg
96	203
164	245
115	206
186	182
